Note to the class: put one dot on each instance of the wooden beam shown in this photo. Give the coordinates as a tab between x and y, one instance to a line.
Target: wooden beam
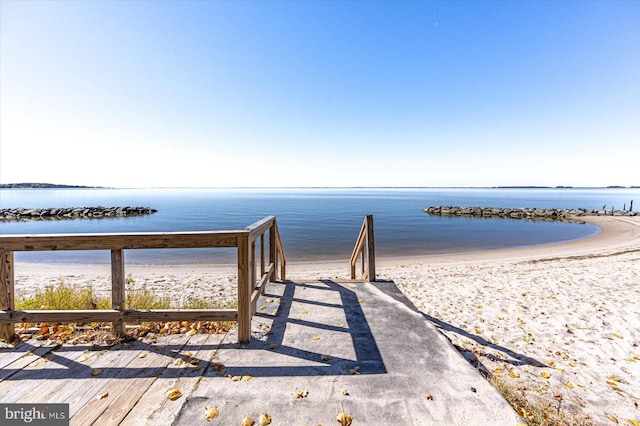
273	250
281	257
117	288
371	249
262	255
244	290
110	315
180	315
261	287
7	296
260	227
139	240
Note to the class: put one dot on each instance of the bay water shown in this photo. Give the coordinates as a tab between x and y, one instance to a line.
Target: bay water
316	224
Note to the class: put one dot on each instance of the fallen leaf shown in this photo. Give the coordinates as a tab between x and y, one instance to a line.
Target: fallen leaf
514	374
102	396
345	393
301	394
173	394
246	378
316	337
236	378
344	419
545	374
325	357
304	312
142	355
272	347
615	378
265	419
269	300
96	372
633	422
84	357
612	418
569	385
211	413
619	336
191	332
248	421
498	371
429	396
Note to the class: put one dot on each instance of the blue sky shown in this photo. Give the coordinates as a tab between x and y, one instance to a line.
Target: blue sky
320	93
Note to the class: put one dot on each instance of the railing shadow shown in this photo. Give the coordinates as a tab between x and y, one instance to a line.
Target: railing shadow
272	354
515	358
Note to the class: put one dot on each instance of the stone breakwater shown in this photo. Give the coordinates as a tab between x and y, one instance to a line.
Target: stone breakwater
524	213
22	214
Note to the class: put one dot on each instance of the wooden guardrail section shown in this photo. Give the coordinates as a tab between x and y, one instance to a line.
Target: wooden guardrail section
365	248
250	286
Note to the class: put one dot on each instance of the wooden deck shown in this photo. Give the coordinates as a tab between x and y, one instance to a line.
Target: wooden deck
122	384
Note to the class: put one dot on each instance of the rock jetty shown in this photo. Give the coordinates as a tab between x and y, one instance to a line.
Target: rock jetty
524	213
23	214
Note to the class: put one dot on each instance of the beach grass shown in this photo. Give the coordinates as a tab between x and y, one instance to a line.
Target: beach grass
65	296
541	413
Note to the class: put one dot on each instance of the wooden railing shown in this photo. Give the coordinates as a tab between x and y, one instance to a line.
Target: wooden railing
365	248
249	285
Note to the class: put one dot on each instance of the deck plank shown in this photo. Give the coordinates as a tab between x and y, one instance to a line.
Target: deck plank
153	407
125	388
43	372
58	386
22	359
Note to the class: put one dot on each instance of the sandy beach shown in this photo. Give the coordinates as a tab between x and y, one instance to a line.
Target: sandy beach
561	321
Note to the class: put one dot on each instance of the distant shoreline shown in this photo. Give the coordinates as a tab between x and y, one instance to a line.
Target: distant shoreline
44	186
27	185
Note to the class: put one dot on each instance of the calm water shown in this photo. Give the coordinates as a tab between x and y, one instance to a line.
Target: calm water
315	224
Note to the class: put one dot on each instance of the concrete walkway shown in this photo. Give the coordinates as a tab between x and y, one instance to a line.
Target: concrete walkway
320	348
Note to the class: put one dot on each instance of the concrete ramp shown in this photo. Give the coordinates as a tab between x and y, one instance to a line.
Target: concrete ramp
323	347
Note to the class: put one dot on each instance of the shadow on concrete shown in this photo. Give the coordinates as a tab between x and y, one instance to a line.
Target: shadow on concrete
300	359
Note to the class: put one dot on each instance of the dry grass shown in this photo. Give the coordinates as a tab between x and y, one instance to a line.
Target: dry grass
549	413
67	297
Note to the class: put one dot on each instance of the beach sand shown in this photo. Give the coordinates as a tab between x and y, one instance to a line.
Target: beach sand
561	322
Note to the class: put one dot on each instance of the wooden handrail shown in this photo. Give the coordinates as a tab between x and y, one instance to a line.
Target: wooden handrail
365	246
244	240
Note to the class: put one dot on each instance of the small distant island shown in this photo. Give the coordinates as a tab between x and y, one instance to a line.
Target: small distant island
42	186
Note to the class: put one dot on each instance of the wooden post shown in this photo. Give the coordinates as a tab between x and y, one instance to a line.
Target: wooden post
371	249
262	256
117	288
273	252
7	330
244	290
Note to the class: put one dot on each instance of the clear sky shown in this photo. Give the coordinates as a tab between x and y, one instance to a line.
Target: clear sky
320	93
